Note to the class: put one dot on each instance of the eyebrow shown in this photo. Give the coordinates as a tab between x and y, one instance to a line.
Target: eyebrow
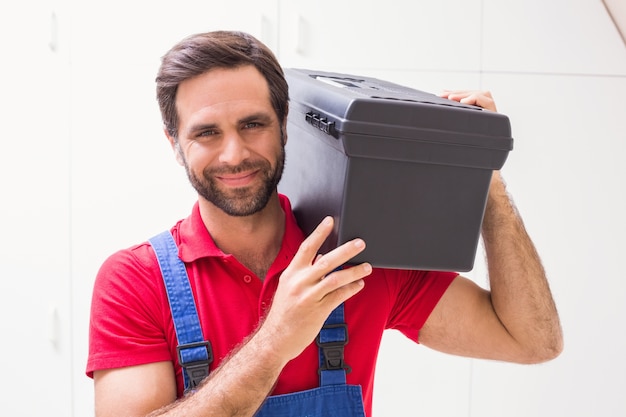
200	127
262	116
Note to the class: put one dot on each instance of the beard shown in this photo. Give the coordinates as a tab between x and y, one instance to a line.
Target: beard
243	201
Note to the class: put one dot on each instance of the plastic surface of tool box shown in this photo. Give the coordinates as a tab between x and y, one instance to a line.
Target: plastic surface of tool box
405	170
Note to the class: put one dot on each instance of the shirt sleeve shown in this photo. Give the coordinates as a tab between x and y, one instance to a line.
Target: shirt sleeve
127	325
414	295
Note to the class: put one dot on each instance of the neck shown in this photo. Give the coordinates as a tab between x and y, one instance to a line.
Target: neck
254	240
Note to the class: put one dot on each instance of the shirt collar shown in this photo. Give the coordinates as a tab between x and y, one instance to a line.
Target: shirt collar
195	241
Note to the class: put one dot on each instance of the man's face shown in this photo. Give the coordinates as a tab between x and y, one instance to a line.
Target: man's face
229	139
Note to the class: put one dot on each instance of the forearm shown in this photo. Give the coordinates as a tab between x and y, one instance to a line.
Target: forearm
520	293
308	291
237	388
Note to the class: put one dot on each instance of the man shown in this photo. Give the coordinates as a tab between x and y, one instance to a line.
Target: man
262	290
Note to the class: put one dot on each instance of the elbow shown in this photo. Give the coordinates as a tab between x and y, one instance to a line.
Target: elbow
549	349
553	349
553	344
546	354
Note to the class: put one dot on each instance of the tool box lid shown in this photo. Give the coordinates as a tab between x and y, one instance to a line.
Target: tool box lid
349	107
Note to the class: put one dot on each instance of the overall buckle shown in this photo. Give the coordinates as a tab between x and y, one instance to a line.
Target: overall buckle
333	352
197	370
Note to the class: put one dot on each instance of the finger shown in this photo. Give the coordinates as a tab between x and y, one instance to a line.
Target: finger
482	99
447	93
309	249
465	93
456	94
338	256
344	276
340	285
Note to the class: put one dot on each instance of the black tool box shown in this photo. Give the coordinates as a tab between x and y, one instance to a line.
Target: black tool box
405	170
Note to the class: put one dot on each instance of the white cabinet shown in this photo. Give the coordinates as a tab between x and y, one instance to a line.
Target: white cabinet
374	35
35	211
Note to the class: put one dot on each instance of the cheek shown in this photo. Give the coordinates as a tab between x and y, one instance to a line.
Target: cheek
272	150
178	154
197	157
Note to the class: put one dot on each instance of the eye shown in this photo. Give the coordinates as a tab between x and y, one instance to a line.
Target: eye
209	132
251	125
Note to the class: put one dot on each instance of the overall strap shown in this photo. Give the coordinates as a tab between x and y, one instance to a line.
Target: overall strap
194	353
331	340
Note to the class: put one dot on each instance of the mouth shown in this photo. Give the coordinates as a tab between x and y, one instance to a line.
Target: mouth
240	179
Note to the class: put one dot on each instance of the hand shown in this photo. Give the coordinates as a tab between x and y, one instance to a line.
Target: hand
310	289
477	98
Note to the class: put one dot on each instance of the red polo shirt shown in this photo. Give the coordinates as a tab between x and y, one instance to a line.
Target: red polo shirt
131	322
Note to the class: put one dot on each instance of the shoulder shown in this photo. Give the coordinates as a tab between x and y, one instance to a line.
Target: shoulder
410	295
398	288
138	258
416	282
129	320
134	270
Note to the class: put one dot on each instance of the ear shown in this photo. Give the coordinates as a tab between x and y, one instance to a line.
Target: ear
178	154
283	132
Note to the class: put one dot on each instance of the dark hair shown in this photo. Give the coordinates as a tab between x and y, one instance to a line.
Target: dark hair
203	52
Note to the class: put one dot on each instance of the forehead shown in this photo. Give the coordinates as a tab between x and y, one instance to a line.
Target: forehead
222	91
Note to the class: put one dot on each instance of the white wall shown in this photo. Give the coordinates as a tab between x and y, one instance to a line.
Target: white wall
85	170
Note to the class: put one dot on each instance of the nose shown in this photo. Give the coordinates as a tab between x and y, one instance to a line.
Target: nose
234	149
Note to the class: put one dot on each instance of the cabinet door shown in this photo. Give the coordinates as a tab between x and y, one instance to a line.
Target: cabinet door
126	32
34	213
405	34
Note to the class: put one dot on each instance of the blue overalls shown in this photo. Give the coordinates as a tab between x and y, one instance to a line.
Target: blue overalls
334	397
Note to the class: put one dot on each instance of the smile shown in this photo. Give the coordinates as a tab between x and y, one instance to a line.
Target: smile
238	180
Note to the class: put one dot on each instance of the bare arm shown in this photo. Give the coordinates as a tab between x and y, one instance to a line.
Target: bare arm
134	390
520	293
517	320
307	293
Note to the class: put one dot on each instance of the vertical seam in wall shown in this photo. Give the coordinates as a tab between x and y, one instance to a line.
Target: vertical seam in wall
70	150
71	256
71	271
481	47
278	31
